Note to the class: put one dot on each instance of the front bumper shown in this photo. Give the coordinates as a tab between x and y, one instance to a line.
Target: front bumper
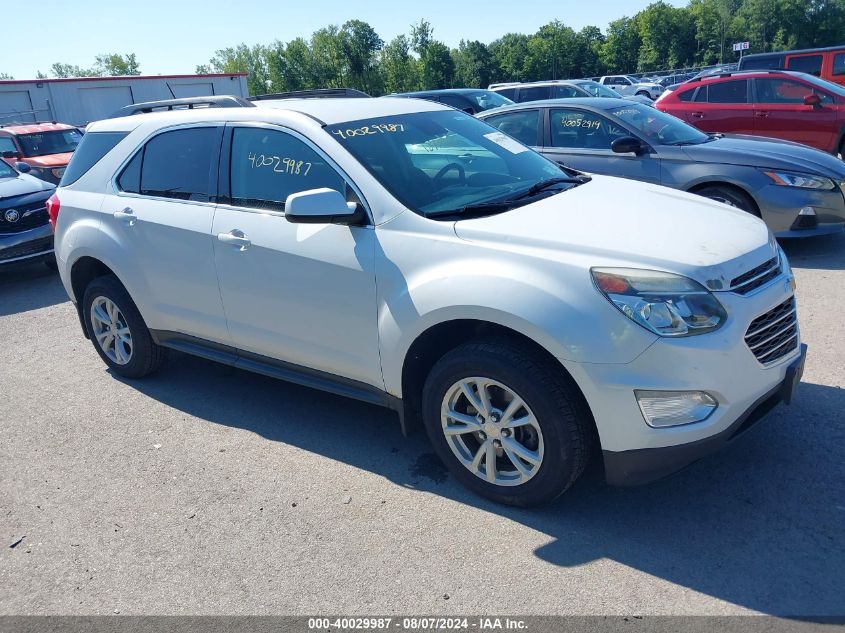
641	466
779	207
16	247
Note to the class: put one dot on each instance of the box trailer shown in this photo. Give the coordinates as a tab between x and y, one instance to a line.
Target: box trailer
80	100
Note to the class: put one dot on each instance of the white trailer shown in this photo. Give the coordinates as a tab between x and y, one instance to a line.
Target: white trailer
80	100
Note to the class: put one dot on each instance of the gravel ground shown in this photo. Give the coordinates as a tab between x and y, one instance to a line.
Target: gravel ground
208	490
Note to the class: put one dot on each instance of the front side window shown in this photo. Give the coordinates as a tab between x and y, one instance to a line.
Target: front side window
46	143
6	171
735	91
810	64
507	93
579	129
488	100
175	164
567	92
269	165
776	90
523	125
443	161
455	101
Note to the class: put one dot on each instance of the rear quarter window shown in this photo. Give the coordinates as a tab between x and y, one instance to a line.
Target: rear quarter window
91	149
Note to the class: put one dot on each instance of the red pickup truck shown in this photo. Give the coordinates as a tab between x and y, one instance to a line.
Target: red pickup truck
45	147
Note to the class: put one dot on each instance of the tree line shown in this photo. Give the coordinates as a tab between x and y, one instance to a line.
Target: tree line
659	37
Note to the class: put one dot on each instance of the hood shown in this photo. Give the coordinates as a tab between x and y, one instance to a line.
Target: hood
618	222
758	151
50	160
22	185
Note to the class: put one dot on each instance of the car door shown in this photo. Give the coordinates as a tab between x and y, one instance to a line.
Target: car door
622	85
722	106
303	294
582	139
779	111
161	213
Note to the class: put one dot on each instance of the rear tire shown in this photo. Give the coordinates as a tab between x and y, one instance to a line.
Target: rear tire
538	449
117	329
644	93
730	196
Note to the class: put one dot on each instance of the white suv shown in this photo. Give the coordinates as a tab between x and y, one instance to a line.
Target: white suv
626	85
406	254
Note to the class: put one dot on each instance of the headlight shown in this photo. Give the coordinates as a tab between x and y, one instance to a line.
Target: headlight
58	172
664	303
803	181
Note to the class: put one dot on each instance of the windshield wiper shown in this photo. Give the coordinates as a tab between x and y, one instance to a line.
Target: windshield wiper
480	208
533	190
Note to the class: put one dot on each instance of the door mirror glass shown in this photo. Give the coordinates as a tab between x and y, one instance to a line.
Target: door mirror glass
321	206
24	168
812	100
627	145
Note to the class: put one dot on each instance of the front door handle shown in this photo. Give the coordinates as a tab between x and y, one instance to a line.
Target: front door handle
762	114
127	215
235	237
697	115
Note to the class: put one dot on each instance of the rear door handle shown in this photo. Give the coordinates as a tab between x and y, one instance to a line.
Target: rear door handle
127	215
235	237
762	114
697	115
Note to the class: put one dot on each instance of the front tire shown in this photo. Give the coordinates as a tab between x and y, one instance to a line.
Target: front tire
644	93
507	423
117	329
730	196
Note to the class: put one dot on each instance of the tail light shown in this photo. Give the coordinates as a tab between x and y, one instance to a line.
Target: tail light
53	207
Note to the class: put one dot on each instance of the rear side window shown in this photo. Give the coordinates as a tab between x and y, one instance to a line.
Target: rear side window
735	91
90	150
174	164
770	62
810	64
508	93
522	125
839	64
686	95
535	93
567	92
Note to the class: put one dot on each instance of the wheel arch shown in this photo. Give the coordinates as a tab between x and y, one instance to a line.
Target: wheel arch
433	343
698	186
83	271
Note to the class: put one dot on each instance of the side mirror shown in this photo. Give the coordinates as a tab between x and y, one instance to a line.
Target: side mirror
322	206
627	145
24	168
9	154
812	100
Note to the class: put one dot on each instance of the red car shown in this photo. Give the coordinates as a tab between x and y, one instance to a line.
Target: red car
45	147
781	104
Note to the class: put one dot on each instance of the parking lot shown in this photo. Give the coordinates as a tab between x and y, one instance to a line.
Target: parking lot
208	490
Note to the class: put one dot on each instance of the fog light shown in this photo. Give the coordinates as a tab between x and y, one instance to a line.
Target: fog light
807	211
662	409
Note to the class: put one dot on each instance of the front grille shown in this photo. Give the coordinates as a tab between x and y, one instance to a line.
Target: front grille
27	248
774	335
756	277
30	216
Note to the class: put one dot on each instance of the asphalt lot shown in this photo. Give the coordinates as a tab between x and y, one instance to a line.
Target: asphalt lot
208	490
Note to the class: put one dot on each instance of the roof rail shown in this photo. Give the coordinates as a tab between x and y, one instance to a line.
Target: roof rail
187	103
318	93
731	73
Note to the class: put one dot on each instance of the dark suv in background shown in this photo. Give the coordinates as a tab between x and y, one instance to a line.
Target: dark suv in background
469	100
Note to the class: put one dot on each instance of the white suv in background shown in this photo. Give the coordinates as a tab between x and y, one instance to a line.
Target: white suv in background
626	85
404	253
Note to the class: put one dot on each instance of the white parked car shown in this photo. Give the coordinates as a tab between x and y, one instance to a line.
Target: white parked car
407	254
627	85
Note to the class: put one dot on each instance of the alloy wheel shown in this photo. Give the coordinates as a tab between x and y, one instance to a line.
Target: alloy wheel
491	431
111	330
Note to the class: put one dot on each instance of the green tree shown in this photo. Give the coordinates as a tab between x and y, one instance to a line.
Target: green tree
242	59
115	64
5	76
510	53
399	69
361	45
474	65
621	49
436	65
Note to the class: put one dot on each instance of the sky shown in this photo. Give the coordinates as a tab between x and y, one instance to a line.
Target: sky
173	36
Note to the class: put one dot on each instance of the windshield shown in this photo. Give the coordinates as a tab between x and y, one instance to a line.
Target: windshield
598	90
6	171
45	143
658	127
489	100
441	161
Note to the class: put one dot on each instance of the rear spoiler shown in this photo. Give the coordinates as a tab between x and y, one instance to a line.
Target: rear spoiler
188	103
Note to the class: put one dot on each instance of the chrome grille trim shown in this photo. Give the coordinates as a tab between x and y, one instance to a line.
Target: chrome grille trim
756	277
